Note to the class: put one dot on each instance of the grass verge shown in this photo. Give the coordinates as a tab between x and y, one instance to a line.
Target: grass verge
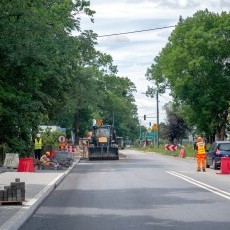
189	151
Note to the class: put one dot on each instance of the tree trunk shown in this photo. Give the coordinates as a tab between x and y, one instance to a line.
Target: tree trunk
76	126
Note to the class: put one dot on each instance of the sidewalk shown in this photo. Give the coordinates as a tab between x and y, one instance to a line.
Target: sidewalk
39	185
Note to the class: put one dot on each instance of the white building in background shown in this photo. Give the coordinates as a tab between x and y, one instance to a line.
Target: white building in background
52	128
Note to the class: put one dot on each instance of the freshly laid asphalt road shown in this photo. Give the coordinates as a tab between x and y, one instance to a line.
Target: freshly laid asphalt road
38	186
142	191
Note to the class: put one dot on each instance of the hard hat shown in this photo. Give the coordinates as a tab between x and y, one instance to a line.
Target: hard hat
199	139
48	153
38	135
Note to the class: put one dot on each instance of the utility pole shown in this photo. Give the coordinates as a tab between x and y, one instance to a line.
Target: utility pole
140	133
157	119
157	131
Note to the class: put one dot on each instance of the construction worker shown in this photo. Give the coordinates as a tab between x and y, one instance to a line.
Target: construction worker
38	146
46	161
200	149
84	145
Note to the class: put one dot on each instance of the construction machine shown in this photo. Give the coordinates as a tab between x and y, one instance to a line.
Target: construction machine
103	144
120	142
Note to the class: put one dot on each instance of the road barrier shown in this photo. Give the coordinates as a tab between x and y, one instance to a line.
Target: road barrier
170	147
11	160
26	165
225	165
182	153
69	148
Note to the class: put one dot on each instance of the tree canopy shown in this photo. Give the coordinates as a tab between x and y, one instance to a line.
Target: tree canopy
195	65
48	76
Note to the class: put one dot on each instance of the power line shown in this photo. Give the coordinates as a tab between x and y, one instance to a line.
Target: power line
135	31
167	98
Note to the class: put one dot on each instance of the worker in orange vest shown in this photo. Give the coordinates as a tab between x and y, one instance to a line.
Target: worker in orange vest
200	149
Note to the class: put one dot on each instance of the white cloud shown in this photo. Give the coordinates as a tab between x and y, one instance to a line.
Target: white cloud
134	53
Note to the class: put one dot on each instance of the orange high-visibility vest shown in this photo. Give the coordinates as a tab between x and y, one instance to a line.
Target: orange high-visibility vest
200	148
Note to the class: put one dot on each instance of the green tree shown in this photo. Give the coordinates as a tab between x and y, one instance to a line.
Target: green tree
50	77
176	127
34	63
195	66
116	104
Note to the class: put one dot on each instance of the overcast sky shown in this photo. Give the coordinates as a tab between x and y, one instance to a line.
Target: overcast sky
134	53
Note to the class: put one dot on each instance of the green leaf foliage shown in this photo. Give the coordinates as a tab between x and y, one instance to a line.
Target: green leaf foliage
50	77
195	65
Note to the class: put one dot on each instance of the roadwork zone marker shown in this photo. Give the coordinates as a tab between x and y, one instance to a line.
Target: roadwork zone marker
201	185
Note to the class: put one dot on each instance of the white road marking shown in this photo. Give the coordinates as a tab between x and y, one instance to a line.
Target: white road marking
201	185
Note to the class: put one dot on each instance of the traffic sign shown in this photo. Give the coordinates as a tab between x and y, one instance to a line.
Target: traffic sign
61	139
154	127
149	135
170	147
99	122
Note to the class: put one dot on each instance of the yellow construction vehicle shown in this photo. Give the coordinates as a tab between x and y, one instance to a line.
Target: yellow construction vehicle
103	144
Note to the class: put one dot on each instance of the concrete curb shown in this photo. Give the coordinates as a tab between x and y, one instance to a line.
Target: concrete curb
19	218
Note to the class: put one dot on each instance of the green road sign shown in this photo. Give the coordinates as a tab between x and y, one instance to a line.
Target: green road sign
150	135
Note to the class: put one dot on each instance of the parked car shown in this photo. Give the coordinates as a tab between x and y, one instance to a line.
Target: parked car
217	150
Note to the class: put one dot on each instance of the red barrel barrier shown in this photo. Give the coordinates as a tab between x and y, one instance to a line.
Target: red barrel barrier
26	165
182	153
225	165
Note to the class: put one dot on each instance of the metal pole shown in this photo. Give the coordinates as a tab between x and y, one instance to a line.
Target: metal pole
157	120
140	131
140	135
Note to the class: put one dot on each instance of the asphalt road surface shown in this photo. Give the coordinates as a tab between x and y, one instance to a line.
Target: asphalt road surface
141	191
